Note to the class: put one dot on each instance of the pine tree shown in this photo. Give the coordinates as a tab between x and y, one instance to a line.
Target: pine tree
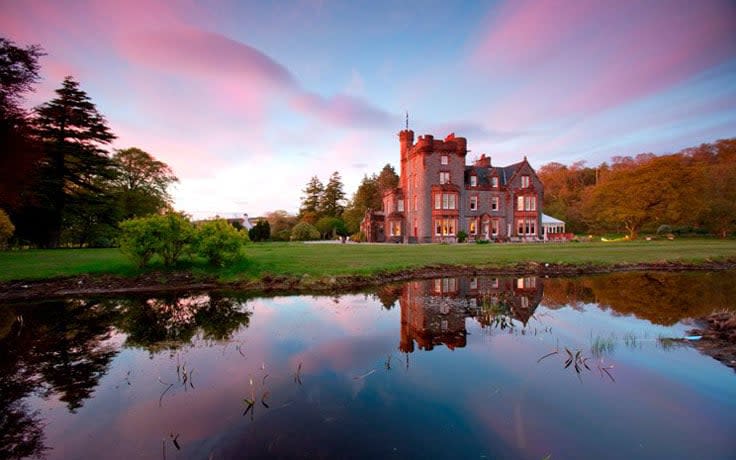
333	197
309	209
73	133
387	179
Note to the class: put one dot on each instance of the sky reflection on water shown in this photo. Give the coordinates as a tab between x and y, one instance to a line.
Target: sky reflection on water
446	368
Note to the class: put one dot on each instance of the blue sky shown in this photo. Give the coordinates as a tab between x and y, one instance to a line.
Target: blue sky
247	100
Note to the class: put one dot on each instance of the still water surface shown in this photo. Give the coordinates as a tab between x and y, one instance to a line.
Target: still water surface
468	368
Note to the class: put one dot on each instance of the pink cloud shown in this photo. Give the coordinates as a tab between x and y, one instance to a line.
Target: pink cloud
340	109
578	58
206	54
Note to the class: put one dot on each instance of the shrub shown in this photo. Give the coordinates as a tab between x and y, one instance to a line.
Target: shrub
358	237
462	236
218	241
140	239
177	234
482	241
283	235
167	235
304	232
6	229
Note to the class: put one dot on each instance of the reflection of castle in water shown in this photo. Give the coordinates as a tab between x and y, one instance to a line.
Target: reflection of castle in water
433	312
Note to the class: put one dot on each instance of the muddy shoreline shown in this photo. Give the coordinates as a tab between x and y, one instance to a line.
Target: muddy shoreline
178	282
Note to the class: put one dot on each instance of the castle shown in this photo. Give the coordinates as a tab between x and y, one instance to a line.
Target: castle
439	196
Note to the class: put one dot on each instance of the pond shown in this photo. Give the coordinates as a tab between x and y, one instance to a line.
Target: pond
485	367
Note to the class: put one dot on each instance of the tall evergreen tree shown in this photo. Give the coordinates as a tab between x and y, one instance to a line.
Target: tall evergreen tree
310	207
387	179
333	197
73	133
19	154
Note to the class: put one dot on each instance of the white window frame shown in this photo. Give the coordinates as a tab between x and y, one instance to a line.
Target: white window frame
444	177
473	181
494	203
473	203
400	206
444	160
494	182
525	181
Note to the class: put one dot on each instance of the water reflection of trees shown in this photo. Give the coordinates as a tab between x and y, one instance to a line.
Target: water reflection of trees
433	312
170	322
660	297
57	348
63	348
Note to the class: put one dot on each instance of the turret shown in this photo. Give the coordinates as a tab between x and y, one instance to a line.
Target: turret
406	141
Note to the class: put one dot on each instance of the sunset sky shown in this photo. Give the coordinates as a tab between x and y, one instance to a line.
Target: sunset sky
247	100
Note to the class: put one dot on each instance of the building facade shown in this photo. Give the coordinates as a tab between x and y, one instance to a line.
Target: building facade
439	196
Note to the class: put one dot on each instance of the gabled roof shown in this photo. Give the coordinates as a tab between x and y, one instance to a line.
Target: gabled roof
504	173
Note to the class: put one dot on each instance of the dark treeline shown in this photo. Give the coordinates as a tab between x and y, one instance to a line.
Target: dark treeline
60	184
692	191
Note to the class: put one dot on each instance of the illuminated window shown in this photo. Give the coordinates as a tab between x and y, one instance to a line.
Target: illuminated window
395	228
473	226
444	227
524	181
494	203
473	203
444	177
443	159
473	181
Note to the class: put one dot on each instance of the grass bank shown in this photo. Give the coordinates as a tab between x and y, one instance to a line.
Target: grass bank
320	260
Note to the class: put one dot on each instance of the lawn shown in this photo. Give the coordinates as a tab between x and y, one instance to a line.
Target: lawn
342	259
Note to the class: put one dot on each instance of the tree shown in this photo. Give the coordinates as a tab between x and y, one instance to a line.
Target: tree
332	200
304	231
73	133
718	190
261	231
141	183
647	190
20	154
311	199
367	196
6	228
387	180
328	227
281	223
18	73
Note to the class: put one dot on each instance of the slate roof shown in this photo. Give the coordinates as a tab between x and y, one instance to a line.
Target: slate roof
484	175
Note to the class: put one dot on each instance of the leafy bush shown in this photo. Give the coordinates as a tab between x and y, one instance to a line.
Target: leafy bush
178	232
304	232
283	235
167	235
482	241
462	236
6	229
218	241
140	239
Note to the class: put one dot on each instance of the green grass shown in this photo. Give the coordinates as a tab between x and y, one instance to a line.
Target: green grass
319	260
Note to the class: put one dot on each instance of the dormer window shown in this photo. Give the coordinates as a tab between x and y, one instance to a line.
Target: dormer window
524	181
473	181
494	182
444	160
